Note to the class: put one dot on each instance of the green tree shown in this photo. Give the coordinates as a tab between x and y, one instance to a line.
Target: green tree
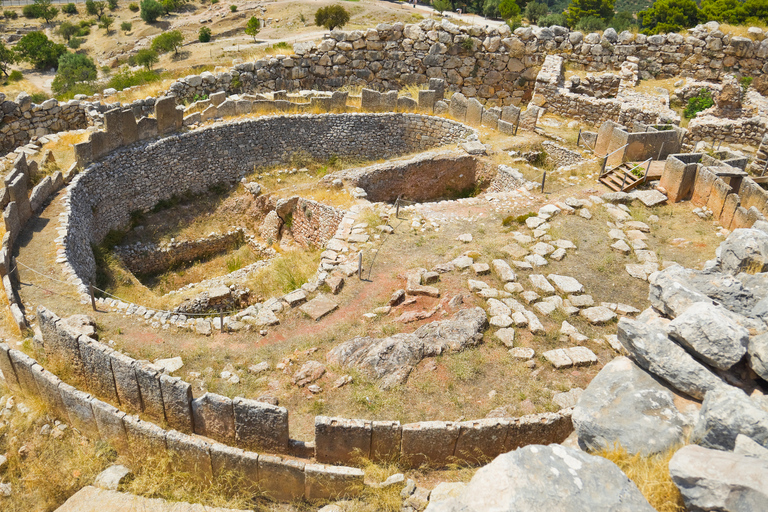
204	35
670	16
106	23
69	8
724	11
331	17
534	11
756	9
509	9
441	5
73	68
45	10
578	9
491	8
146	58
101	6
7	57
553	19
623	21
126	26
590	24
37	49
67	30
90	8
252	27
168	41
112	5
150	10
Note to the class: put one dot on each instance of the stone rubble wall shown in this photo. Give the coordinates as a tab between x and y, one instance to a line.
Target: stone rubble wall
139	387
499	69
740	131
314	223
153	258
507	179
279	478
136	177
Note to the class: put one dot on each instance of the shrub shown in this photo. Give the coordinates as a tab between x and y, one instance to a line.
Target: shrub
552	19
106	22
69	8
441	5
30	11
204	35
90	8
534	11
127	78
15	76
233	8
214	2
590	24
73	68
151	10
67	30
11	15
468	44
37	49
331	17
112	5
38	97
75	43
146	58
700	102
167	41
252	27
133	6
126	26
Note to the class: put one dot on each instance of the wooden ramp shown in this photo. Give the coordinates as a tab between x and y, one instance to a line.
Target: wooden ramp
621	178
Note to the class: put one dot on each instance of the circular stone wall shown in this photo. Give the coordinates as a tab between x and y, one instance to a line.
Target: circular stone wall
137	177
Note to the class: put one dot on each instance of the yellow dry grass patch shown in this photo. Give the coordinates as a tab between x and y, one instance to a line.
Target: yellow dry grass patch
651	475
14	88
743	30
64	148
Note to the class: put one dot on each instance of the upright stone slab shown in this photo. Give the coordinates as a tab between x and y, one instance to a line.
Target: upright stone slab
130	128
260	426
406	104
83	153
510	114
11	221
218	98
144	436
341	440
243	107
530	117
702	186
109	420
149	387
79	410
227	109
320	104
191	455
6	367
458	107
48	391
97	366
427	99
474	112
339	101
332	482
385	441
126	383
60	343
481	440
437	85
428	442
491	117
280	95
168	118
717	196
228	462
214	417
389	101
147	128
99	144
23	365
177	398
732	202
281	479
18	191
370	100
544	428
114	127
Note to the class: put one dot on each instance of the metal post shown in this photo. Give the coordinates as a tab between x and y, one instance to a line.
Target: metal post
543	180
718	146
765	168
660	150
517	124
93	299
360	265
397	208
623	180
602	169
221	317
578	138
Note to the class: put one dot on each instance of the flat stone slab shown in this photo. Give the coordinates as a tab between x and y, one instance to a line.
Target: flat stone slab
565	284
523	353
541	284
92	499
170	365
598	315
558	358
318	307
295	298
515	251
507	336
649	197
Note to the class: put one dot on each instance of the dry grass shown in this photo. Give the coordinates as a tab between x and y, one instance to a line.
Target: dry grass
64	148
651	475
288	271
743	30
14	88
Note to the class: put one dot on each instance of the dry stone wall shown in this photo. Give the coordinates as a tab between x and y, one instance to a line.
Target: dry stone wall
313	223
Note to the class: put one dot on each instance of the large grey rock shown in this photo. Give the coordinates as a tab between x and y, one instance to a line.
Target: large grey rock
727	412
758	355
112	477
550	477
721	481
707	331
652	349
746	446
464	329
745	250
625	405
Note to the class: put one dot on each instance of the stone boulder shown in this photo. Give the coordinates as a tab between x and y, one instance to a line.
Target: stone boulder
624	404
745	250
722	481
727	412
463	330
550	477
758	355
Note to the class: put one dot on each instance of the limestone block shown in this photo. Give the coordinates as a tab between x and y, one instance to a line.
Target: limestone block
12	221
260	426
406	104
510	114
130	129
23	364
6	367
385	440
530	117
214	417
427	100
474	112
109	420
702	187
678	180
741	219
228	461
339	101
114	127
226	109
389	101
97	367
281	479
243	107
732	202
428	442
151	395
191	455
481	440
40	194
320	104
18	191
168	118
340	440
370	100
332	482
218	98
144	436
48	391
717	197
99	144
177	396
147	128
437	85
491	117
126	383
458	107
544	428
79	410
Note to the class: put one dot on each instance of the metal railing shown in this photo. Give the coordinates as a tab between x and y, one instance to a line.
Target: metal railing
605	159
